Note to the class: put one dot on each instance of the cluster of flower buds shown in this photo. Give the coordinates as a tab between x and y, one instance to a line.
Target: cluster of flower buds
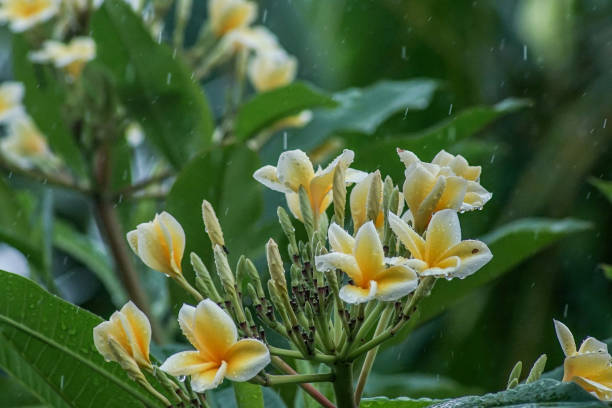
340	294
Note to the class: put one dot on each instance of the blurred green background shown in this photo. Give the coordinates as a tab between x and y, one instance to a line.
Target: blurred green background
537	162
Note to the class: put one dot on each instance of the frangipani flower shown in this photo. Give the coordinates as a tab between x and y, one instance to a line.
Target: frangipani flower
131	331
590	366
70	57
219	354
11	95
272	69
160	244
294	169
431	187
25	145
258	39
228	15
363	260
24	14
441	254
359	201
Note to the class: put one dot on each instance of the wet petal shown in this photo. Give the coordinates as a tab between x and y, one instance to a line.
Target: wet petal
473	254
411	240
340	240
356	294
396	282
419	183
443	232
208	380
602	391
323	181
359	199
132	238
293	202
446	268
566	339
214	329
368	251
407	157
336	260
585	365
592	345
245	359
187	363
267	176
151	250
294	170
476	197
454	193
176	243
354	176
186	319
141	332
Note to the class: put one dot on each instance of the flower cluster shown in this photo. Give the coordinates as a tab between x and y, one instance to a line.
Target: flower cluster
341	284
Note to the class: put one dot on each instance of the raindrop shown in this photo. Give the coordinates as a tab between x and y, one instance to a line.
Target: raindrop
169	78
565	311
404	56
62	382
604	123
265	16
182	378
524	52
284	140
450	109
492	158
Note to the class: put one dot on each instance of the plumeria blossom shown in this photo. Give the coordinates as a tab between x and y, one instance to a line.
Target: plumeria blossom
362	258
359	202
219	354
25	14
131	330
441	253
272	69
70	57
294	170
589	366
431	187
11	95
160	244
25	145
228	15
258	39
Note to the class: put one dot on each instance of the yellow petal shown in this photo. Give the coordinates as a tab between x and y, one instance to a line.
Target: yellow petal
336	260
323	181
101	335
132	238
446	268
186	319
592	345
359	199
458	164
395	282
151	250
473	254
294	169
293	202
368	251
585	365
407	157
267	176
454	193
325	203
356	294
214	329
602	391
245	359
208	380
187	363
476	197
419	183
411	240
566	339
340	240
354	176
139	333
443	232
176	243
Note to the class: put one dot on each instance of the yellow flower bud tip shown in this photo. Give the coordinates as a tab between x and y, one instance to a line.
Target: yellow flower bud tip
70	57
295	170
131	330
25	14
212	225
442	254
219	354
160	244
228	15
589	366
362	258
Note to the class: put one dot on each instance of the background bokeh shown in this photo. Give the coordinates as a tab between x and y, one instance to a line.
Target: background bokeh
537	162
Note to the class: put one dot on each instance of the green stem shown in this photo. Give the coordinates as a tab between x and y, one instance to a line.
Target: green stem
190	289
323	358
298	378
312	391
343	385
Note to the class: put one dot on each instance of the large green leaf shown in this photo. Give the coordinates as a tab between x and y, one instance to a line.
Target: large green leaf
154	85
510	245
224	177
14	394
416	385
81	248
53	339
265	108
604	186
248	395
43	100
542	393
360	110
427	143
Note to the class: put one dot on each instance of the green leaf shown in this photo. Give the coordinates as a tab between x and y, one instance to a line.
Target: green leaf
248	395
542	393
360	110
224	177
511	244
604	186
43	100
53	339
607	270
154	85
416	385
268	107
13	393
81	248
427	143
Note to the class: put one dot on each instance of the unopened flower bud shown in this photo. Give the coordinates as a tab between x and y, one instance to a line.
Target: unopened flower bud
224	270
275	265
211	224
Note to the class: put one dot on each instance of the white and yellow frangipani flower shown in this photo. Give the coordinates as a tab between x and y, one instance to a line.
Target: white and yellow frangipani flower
25	145
294	170
359	202
362	258
257	39
131	330
11	95
442	254
160	244
272	69
71	57
219	354
431	187
589	366
25	14
228	15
